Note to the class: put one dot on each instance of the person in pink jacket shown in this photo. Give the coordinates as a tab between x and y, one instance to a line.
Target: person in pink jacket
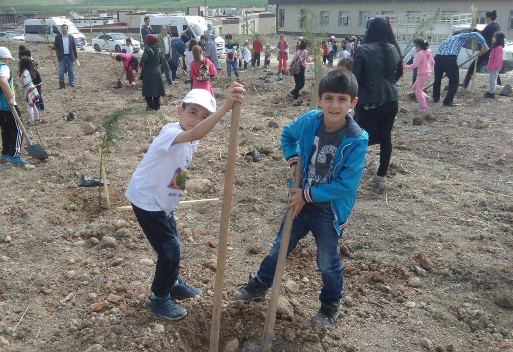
202	70
424	64
495	63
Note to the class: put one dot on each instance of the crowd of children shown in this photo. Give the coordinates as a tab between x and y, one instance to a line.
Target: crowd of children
357	105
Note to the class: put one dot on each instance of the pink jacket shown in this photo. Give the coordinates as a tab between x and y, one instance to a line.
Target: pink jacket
495	60
423	62
197	84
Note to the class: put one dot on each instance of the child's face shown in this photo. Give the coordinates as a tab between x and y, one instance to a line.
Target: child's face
336	105
494	39
192	115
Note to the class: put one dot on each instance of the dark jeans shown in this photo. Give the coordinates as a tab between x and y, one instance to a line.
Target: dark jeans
164	66
481	60
255	60
232	65
173	68
299	80
66	65
414	74
378	123
153	103
160	230
12	135
320	222
40	104
446	64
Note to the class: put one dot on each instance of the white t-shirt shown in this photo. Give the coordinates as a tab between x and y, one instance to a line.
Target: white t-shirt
158	182
5	71
130	49
26	77
65	44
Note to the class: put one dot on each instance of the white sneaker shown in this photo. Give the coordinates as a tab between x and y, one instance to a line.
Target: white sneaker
379	182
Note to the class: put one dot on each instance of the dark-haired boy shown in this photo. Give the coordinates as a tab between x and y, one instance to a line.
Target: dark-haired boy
158	184
332	149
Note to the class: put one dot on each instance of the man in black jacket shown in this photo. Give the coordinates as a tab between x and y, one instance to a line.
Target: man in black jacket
66	54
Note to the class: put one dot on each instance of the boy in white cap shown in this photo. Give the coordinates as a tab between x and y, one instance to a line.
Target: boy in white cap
158	184
11	132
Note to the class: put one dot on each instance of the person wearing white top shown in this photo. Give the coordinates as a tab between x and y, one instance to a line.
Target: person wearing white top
158	185
166	53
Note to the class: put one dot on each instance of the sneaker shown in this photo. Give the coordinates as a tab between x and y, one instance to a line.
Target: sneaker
451	105
328	314
489	95
254	290
165	307
62	85
181	290
14	160
424	109
379	182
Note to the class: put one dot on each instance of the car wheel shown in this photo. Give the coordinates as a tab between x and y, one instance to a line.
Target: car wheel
117	48
97	47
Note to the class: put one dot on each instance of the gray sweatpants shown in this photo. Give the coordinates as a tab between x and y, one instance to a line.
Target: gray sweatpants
493	81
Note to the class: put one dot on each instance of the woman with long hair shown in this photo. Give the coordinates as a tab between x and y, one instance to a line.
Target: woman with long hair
202	70
377	67
301	57
491	28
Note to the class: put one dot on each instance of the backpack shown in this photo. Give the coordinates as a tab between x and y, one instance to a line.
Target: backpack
295	66
203	71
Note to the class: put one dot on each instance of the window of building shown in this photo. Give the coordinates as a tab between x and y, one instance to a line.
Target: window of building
281	18
364	16
302	18
481	17
343	18
325	18
387	13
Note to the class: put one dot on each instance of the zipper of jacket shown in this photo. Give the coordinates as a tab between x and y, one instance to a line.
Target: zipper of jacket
331	203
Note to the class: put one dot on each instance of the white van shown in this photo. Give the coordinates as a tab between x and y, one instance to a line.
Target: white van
38	30
195	26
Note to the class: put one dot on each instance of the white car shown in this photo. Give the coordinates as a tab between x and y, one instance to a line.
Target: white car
113	42
11	36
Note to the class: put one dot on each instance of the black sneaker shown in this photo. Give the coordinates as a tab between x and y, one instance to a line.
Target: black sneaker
328	314
254	290
451	105
165	307
181	290
489	95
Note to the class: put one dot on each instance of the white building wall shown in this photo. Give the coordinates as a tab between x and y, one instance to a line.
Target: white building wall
355	10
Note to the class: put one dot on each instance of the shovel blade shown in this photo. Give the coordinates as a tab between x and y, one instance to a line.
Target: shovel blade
37	151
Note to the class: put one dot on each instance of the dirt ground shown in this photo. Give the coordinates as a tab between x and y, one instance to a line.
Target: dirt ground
67	285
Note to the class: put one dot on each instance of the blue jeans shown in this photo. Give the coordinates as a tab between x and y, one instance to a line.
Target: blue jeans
320	222
160	230
66	64
232	65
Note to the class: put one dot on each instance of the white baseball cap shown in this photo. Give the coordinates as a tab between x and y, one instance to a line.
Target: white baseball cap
5	53
201	97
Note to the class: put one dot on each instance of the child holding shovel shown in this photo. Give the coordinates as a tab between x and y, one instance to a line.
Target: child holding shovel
158	184
332	149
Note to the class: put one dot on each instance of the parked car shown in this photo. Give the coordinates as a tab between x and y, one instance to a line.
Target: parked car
44	30
11	36
114	42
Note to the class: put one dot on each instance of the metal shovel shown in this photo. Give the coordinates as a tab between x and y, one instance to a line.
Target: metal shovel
35	150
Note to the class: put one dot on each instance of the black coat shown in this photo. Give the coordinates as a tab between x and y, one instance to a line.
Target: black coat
376	79
59	47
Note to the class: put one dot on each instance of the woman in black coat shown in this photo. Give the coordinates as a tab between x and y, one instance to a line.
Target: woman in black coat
152	86
377	67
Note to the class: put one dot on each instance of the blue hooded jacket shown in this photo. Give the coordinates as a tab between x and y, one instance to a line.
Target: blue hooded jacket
340	191
4	105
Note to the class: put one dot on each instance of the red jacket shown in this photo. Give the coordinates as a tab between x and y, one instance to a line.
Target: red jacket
257	46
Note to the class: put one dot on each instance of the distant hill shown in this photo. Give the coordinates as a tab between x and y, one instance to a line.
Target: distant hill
59	6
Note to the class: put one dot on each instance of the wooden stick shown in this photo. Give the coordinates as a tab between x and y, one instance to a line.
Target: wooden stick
267	337
474	47
19	321
319	73
223	230
127	207
105	185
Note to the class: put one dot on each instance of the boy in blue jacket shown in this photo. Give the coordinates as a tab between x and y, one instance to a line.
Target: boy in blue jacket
332	149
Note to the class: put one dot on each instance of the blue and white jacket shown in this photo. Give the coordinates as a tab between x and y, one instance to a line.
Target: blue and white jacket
4	105
340	191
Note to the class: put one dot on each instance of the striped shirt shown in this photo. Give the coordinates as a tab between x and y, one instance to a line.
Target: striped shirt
453	45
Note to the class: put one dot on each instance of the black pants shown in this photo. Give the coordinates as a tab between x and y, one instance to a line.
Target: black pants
40	104
415	70
378	123
160	230
299	80
11	134
446	64
153	103
255	60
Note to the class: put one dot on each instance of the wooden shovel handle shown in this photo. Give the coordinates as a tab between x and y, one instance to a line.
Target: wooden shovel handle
270	319
224	227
